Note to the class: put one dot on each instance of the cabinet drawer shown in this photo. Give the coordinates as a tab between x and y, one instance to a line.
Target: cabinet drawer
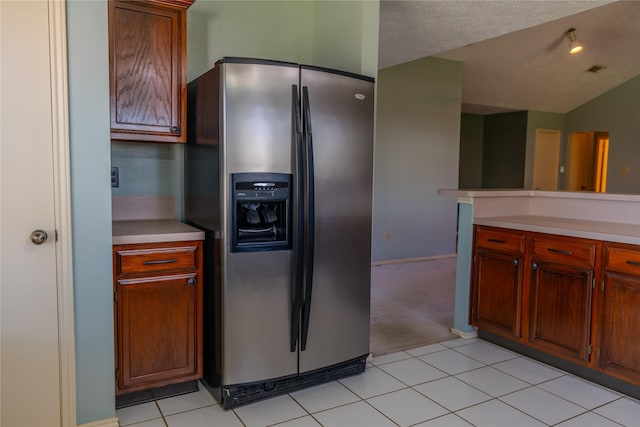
155	260
623	260
499	240
569	251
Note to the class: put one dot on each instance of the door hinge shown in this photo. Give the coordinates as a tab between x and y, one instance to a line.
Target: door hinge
602	285
593	283
56	233
589	349
117	374
115	296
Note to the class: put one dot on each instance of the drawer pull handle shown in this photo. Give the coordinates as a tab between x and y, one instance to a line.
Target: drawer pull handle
634	263
516	262
191	281
159	261
497	240
560	251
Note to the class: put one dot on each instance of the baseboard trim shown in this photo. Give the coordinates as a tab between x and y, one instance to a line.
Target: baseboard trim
463	334
109	422
415	259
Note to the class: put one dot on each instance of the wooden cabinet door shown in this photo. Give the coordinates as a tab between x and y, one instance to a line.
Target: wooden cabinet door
620	333
619	342
560	309
147	53
497	292
158	330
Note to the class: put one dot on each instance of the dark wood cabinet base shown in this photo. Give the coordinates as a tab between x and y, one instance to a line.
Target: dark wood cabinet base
158	315
581	371
130	399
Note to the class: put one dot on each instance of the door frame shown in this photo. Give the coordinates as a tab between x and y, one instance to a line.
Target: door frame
62	209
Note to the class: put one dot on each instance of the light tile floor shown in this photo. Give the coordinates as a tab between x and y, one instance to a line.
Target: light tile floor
455	383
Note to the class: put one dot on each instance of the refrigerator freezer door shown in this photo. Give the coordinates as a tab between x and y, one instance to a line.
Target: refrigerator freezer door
341	110
257	286
257	129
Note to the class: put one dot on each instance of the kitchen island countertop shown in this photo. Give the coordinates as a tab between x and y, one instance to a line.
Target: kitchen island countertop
153	231
598	230
599	216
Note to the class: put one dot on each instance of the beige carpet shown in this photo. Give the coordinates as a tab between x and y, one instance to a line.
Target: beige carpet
411	304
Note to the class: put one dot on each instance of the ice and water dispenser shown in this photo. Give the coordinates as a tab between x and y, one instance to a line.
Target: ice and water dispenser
261	212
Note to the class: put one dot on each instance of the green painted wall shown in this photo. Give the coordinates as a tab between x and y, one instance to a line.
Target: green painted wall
370	37
616	112
345	36
471	139
503	152
333	34
149	169
278	30
416	153
88	61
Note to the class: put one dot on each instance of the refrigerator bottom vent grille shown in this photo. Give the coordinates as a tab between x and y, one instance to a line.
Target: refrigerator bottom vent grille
237	395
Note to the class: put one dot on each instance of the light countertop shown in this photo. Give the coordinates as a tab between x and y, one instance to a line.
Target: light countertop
599	216
583	195
597	230
153	231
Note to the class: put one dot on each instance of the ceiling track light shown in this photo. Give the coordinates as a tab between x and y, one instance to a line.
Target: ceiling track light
574	45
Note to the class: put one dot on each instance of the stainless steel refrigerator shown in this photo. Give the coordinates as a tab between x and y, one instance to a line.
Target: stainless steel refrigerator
278	172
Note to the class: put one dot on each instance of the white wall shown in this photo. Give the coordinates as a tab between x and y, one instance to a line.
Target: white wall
417	149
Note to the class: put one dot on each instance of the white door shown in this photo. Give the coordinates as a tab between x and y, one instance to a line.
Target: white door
546	159
30	362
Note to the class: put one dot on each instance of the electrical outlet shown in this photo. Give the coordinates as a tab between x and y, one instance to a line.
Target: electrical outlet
385	236
115	177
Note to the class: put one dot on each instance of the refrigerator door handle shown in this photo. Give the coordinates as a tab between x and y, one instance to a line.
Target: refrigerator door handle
306	306
299	218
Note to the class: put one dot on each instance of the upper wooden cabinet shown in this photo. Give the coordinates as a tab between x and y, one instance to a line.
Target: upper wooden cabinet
147	60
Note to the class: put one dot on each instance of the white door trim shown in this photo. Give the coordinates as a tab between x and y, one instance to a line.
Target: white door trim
62	209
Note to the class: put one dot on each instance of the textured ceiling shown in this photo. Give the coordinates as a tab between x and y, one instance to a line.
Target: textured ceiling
515	51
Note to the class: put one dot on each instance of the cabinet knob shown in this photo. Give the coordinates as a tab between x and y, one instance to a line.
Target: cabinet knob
516	262
534	266
191	281
175	129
